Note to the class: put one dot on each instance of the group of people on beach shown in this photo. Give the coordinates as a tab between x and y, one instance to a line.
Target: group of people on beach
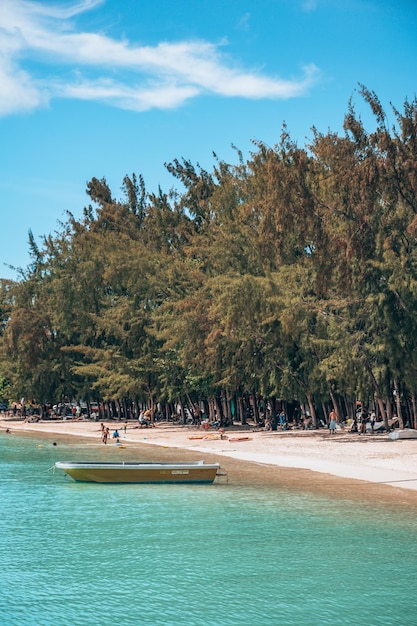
359	424
360	421
105	433
145	420
280	421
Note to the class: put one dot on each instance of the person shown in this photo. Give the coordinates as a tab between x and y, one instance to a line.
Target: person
364	419
196	416
373	420
125	427
333	421
354	427
105	435
116	434
145	419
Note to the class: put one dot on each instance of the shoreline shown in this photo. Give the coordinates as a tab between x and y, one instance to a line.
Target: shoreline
347	465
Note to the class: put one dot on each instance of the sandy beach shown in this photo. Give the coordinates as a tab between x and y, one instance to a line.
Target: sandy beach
366	467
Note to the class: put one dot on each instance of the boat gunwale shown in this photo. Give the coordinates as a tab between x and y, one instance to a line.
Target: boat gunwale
133	464
120	465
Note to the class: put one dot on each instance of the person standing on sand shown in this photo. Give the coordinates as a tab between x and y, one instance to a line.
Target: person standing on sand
373	419
364	419
333	421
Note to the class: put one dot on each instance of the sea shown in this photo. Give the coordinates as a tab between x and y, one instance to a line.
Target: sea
82	554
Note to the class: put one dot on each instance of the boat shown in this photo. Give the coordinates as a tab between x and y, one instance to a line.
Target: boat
138	472
240	439
405	433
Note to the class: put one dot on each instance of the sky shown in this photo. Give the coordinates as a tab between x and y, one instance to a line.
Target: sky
103	88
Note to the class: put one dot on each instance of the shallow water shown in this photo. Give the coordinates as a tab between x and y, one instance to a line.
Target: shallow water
85	554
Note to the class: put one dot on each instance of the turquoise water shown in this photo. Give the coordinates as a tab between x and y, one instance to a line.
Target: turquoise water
84	554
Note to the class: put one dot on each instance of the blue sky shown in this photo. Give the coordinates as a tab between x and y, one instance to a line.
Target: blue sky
106	88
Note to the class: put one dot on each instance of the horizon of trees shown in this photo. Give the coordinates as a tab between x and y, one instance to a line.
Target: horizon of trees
289	277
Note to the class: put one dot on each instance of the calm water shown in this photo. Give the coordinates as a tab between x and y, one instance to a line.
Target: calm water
84	554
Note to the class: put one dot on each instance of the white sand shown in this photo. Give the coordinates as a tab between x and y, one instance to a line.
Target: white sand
370	458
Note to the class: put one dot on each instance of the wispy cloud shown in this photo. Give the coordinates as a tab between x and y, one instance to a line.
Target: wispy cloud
43	56
309	5
244	22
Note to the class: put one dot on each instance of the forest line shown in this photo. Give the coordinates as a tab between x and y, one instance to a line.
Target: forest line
286	279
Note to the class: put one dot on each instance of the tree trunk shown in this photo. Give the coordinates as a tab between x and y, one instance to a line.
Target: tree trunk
336	407
211	412
191	404
254	403
312	409
377	393
382	410
182	412
136	410
325	415
241	410
152	409
225	406
414	407
398	404
219	410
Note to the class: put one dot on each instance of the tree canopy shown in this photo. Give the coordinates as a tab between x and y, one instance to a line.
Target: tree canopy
290	275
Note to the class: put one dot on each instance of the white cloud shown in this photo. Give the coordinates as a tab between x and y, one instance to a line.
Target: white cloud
244	22
18	93
35	34
309	5
125	97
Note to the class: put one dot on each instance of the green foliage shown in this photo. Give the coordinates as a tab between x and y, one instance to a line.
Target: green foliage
293	274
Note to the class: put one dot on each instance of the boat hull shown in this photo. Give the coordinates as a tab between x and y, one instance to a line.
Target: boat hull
406	433
193	472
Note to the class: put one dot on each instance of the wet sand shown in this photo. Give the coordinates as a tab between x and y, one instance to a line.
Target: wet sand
348	466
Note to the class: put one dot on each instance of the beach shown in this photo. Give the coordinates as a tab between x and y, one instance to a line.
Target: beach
346	465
